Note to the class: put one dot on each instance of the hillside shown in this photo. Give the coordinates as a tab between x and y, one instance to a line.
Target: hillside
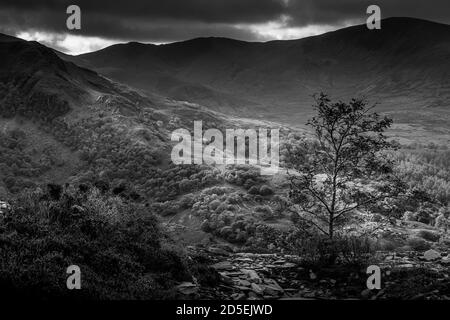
61	122
404	66
58	120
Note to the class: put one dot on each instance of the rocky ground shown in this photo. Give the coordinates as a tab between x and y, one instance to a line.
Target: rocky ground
250	276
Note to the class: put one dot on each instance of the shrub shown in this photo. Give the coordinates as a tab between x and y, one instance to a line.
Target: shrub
253	190
320	251
388	244
442	222
214	204
418	244
264	212
186	202
294	218
117	245
429	235
265	190
424	216
409	216
377	217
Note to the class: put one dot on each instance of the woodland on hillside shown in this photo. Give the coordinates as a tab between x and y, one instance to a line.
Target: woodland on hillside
112	215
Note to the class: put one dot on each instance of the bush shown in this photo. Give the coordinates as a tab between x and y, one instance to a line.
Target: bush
320	251
265	190
418	244
429	235
388	244
424	216
214	204
442	222
117	245
264	212
409	216
253	190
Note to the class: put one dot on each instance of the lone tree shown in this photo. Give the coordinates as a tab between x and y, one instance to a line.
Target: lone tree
344	168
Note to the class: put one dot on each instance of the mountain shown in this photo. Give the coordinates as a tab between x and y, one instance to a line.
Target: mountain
404	66
60	122
36	72
63	123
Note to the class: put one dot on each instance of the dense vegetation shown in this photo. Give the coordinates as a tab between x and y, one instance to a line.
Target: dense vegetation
427	169
37	106
104	219
118	245
19	164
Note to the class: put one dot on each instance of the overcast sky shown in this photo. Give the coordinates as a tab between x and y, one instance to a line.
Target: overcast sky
159	21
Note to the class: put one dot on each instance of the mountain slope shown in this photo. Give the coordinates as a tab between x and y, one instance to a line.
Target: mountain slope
405	63
36	72
62	123
46	107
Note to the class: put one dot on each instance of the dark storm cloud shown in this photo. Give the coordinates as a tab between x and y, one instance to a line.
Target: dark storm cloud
305	12
168	20
194	10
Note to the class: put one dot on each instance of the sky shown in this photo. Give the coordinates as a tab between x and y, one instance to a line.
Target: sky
104	23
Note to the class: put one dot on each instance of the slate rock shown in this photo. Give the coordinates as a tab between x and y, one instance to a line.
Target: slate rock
445	260
223	265
187	288
251	275
257	289
219	251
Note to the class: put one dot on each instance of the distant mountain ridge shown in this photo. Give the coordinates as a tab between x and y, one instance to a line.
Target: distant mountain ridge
406	62
57	121
404	67
61	122
34	72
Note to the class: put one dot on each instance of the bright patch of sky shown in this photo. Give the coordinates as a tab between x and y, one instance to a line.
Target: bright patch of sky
281	29
67	43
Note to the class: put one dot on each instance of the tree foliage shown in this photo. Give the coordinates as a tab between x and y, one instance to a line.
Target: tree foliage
344	168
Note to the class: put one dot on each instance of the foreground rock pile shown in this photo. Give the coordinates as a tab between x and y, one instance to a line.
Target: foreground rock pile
250	276
255	276
414	275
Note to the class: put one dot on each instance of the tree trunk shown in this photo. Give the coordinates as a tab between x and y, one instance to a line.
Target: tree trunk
331	227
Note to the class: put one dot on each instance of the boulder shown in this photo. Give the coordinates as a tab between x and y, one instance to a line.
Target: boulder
272	288
225	278
187	288
243	283
223	265
431	255
445	260
365	294
238	296
257	289
251	275
219	251
288	265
